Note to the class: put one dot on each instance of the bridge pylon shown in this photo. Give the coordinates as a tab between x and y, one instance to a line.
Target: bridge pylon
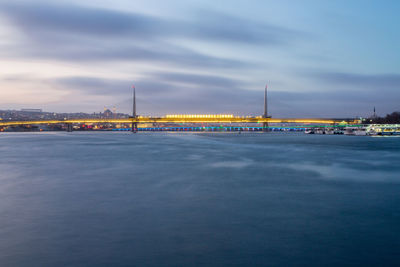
265	124
134	123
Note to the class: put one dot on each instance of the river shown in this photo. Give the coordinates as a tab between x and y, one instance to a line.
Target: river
198	199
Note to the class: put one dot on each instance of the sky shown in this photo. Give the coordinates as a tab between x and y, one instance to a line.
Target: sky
319	58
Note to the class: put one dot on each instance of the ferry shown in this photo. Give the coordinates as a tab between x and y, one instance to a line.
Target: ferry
362	130
383	129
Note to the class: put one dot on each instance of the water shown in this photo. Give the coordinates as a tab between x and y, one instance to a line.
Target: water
117	199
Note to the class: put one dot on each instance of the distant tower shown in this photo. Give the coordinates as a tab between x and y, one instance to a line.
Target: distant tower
134	123
265	124
265	102
134	102
374	113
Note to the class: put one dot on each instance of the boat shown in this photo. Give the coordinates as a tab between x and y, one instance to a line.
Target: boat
358	131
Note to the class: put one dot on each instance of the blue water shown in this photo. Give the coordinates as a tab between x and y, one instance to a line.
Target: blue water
118	199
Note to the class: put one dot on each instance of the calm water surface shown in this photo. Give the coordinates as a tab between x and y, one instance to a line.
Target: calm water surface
117	199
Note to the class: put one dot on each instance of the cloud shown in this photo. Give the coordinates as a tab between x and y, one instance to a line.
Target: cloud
157	85
92	85
77	33
71	19
361	81
224	27
204	24
349	94
199	80
165	55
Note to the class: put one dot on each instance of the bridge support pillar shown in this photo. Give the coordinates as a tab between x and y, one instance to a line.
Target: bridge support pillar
265	127
69	127
134	127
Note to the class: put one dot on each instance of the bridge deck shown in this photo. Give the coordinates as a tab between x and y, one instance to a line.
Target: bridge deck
175	120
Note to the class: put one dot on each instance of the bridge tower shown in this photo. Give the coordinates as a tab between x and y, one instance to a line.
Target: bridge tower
265	124
69	127
134	123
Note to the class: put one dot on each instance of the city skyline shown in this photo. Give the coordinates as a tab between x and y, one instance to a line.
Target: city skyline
319	59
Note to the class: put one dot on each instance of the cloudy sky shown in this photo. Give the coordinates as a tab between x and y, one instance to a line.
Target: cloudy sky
319	58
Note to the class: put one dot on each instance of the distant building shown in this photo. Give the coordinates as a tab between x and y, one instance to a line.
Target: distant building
108	113
37	110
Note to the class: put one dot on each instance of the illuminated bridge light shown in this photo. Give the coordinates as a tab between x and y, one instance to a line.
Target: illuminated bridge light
199	116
